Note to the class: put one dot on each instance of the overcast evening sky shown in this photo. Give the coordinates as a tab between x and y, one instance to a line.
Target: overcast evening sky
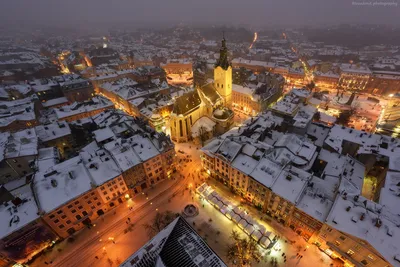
153	12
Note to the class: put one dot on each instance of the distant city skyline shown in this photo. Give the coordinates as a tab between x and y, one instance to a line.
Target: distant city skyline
90	13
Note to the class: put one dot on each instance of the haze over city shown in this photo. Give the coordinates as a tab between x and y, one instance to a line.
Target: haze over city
315	13
199	133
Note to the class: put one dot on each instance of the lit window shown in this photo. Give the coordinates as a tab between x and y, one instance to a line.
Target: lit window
350	252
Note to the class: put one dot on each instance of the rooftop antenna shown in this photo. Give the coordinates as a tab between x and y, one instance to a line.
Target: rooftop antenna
223	35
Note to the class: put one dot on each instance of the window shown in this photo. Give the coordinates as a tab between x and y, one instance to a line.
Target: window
68	222
76	202
73	211
337	243
56	221
107	198
95	198
51	216
61	226
342	237
98	203
84	213
64	216
78	217
371	257
364	262
102	188
80	207
69	206
115	186
89	202
123	188
93	207
350	252
121	183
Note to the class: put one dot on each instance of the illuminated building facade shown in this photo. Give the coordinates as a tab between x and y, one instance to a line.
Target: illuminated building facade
179	72
212	100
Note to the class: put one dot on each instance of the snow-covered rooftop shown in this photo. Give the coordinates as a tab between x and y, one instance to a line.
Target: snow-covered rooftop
14	217
61	184
52	131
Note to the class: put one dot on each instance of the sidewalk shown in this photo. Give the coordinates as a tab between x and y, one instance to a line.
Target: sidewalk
66	247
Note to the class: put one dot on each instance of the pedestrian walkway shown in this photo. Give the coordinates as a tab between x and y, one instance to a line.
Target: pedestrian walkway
290	243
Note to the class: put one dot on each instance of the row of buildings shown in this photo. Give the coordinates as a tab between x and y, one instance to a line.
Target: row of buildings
48	194
314	178
348	76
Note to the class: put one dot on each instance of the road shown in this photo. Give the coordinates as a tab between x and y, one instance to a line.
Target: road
116	238
129	237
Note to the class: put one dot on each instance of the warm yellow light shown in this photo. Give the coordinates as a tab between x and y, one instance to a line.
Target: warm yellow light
127	196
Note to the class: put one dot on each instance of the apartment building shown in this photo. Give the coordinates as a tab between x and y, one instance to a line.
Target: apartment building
315	187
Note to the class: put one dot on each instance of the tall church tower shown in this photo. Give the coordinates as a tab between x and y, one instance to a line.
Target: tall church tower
223	75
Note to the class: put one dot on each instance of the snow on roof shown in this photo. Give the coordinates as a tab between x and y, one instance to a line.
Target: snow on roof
47	158
55	101
355	68
40	85
242	89
123	152
368	221
229	149
253	62
100	165
290	183
301	151
266	172
203	122
96	103
244	163
61	184
144	148
339	133
318	132
3	143
18	110
212	146
335	162
103	134
390	192
52	131
15	217
304	115
137	101
317	198
288	105
22	143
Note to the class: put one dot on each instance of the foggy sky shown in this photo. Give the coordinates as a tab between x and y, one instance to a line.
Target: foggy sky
236	12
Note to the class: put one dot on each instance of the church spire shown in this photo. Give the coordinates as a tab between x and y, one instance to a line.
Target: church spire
223	55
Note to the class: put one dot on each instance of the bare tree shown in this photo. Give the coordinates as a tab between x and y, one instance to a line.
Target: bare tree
203	135
159	222
243	251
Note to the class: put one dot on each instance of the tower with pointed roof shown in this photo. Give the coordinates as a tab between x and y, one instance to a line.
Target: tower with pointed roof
223	75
